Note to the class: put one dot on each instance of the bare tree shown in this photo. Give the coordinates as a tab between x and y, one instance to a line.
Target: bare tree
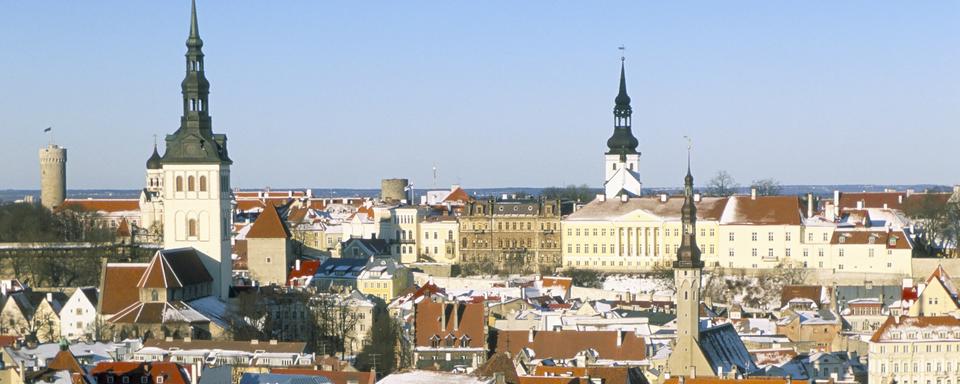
767	187
722	184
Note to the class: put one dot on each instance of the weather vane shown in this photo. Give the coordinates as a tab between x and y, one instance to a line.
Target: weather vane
689	148
623	52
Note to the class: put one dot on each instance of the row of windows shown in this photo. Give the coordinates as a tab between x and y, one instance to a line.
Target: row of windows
191	183
629	231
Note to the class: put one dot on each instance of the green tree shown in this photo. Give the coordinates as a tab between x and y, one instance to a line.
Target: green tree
385	337
584	277
582	193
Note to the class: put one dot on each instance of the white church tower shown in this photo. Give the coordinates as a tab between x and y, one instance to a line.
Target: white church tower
622	161
196	175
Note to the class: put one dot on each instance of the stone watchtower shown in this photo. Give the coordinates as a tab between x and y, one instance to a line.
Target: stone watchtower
53	175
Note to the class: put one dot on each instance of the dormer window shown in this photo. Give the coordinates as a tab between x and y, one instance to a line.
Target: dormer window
435	341
450	340
464	341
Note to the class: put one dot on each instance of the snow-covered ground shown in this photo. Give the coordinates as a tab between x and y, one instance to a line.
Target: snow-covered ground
638	285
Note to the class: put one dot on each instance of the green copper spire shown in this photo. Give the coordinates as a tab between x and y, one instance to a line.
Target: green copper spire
194	39
622	142
688	255
195	141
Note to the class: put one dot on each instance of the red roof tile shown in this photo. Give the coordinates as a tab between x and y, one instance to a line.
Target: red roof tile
457	319
566	344
307	268
913	323
102	205
120	286
269	226
172	373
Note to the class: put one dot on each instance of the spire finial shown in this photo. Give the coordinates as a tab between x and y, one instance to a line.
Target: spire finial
194	41
689	149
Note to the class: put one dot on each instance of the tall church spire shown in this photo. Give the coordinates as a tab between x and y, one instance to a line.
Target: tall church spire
688	255
622	142
195	141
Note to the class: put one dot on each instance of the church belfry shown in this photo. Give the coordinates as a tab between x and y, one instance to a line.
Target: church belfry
687	358
622	161
196	174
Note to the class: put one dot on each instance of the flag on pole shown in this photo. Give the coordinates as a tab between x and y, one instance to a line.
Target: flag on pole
47	129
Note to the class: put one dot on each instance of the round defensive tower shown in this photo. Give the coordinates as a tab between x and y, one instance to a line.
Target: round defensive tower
53	175
394	189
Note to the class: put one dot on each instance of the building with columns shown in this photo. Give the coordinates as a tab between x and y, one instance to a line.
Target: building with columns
195	169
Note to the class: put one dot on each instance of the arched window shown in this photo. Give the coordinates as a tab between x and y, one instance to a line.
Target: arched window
179	183
203	183
190	183
154	295
192	227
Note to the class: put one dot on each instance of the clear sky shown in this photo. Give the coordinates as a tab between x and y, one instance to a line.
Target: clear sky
495	93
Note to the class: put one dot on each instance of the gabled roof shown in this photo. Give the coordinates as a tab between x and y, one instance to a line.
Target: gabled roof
373	247
762	210
91	294
102	205
308	268
158	313
120	286
269	225
174	268
457	318
335	377
65	361
172	373
891	239
724	349
940	275
871	199
123	230
457	195
708	208
948	324
813	292
566	344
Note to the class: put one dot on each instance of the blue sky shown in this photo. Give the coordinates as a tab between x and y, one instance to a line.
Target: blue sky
495	93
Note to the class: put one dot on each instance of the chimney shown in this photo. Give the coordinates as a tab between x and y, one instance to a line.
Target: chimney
623	198
809	205
443	316
456	316
601	197
884	205
187	339
859	204
720	371
836	198
619	338
193	373
693	372
530	335
753	193
254	341
899	199
297	265
663	197
50	297
273	341
681	380
696	197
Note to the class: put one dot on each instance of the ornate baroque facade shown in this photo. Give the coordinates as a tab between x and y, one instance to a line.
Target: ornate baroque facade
513	234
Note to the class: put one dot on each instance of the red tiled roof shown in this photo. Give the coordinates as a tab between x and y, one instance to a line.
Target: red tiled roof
879	237
715	380
460	319
871	199
172	373
912	323
123	230
102	205
790	292
566	344
457	195
307	268
120	286
337	377
65	361
269	226
764	210
617	374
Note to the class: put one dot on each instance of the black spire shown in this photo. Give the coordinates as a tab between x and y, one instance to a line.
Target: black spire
622	142
154	161
688	255
195	141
